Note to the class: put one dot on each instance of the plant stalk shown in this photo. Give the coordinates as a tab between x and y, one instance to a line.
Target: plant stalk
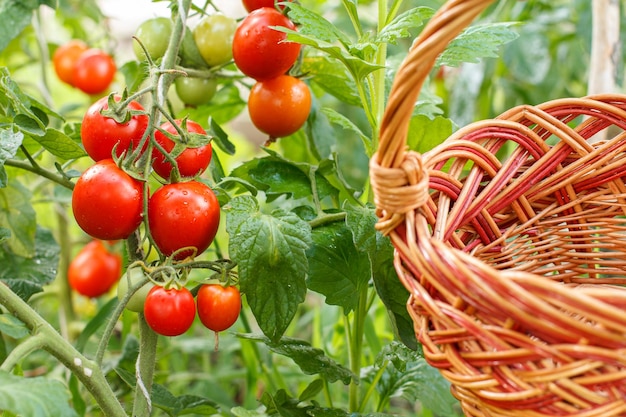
86	371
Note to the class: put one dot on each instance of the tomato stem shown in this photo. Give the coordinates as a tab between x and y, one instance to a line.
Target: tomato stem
146	360
87	372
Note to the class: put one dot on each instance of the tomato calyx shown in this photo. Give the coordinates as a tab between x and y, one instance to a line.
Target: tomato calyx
119	110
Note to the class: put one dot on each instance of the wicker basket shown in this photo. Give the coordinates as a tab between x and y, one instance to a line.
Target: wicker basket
514	267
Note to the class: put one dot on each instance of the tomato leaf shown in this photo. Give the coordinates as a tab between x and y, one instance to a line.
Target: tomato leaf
220	137
399	27
12	326
361	221
319	131
408	375
359	68
189	53
135	73
312	390
224	106
18	215
30	125
315	25
478	41
98	321
337	269
59	144
26	275
15	15
270	254
282	404
242	412
311	360
30	114
425	133
34	397
9	144
278	176
342	121
333	77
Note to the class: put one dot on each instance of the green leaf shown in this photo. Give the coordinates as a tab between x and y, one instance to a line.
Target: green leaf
476	42
34	397
224	106
279	177
358	67
196	405
283	405
12	326
242	412
15	15
270	254
18	215
182	405
135	73
9	144
319	131
361	221
78	402
399	27
425	133
428	104
189	53
59	144
409	376
314	25
220	137
311	360
98	321
337	268
4	234
333	77
342	121
529	59
312	390
276	175
29	125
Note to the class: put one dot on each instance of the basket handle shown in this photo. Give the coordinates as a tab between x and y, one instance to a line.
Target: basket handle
398	189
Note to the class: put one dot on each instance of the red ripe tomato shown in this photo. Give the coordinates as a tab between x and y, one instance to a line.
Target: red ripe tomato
261	52
280	106
94	270
184	214
218	306
169	312
191	162
251	5
107	202
100	134
94	71
65	58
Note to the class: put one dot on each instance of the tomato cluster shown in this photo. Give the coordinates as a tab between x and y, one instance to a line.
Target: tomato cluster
212	42
91	70
183	217
171	311
279	104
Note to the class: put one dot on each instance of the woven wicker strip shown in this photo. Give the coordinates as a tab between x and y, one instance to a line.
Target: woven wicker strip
515	267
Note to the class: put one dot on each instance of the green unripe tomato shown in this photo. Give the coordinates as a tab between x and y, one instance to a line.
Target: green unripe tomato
154	34
214	38
128	280
195	91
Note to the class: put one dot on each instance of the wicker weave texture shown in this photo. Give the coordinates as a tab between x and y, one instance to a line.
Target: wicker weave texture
515	264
